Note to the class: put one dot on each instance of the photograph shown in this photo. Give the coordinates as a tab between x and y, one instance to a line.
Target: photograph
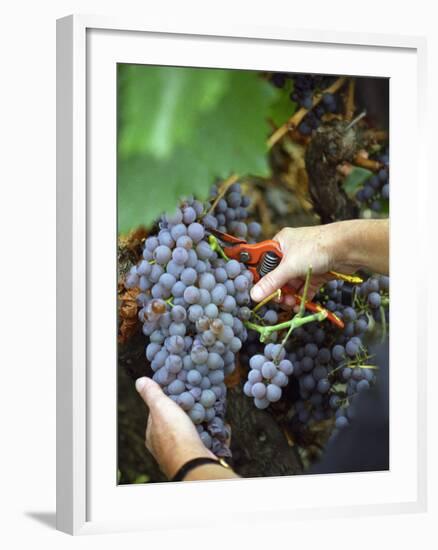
253	273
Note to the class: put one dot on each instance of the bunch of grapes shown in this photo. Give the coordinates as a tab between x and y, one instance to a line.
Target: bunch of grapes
329	366
305	86
376	189
374	293
269	373
192	303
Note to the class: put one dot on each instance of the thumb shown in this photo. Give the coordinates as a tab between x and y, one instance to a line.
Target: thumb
150	392
271	282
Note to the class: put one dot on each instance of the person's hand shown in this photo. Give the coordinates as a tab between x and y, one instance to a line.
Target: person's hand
302	247
171	436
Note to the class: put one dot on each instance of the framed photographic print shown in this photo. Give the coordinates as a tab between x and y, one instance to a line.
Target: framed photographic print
231	204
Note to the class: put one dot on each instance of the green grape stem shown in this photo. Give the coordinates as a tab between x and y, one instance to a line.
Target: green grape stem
216	247
292	324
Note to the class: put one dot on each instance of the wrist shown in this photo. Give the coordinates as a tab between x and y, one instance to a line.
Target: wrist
210	471
178	459
344	245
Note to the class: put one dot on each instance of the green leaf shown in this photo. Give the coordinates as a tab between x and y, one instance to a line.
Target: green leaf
283	107
161	106
229	137
355	179
142	478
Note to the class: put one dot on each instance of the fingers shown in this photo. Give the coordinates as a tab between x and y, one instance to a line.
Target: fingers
289	301
270	282
150	392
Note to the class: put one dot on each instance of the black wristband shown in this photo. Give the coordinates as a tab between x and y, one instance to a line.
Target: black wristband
185	468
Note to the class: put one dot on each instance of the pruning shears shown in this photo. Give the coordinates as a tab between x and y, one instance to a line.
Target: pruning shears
262	257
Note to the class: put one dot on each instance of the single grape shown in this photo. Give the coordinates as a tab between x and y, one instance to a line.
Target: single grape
308	382
189	215
254	376
270	317
286	367
174	269
144	268
180	256
208	338
374	299
352	348
232	268
220	275
323	385
151	350
258	390
175	344
229	304
306	364
357	373
199	355
204	250
188	276
167	280
218	294
173	364
196	232
311	350
217	326
207	398
216	377
257	362
192	295
206	438
338	353
211	311
346	373
254	229
235	344
261	403
273	393
178	314
197	413
194	377
215	361
176	387
207	281
162	254
280	379
269	370
334	401
174	217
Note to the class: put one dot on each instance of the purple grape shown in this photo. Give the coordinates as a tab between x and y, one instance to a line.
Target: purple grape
273	393
232	268
258	390
162	254
192	295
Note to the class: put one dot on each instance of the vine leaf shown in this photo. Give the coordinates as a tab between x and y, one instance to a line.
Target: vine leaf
355	179
225	133
160	107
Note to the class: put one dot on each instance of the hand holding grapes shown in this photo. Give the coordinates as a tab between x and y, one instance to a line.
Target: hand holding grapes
342	246
171	436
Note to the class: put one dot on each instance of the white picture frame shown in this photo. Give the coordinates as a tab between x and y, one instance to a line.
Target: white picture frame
88	499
